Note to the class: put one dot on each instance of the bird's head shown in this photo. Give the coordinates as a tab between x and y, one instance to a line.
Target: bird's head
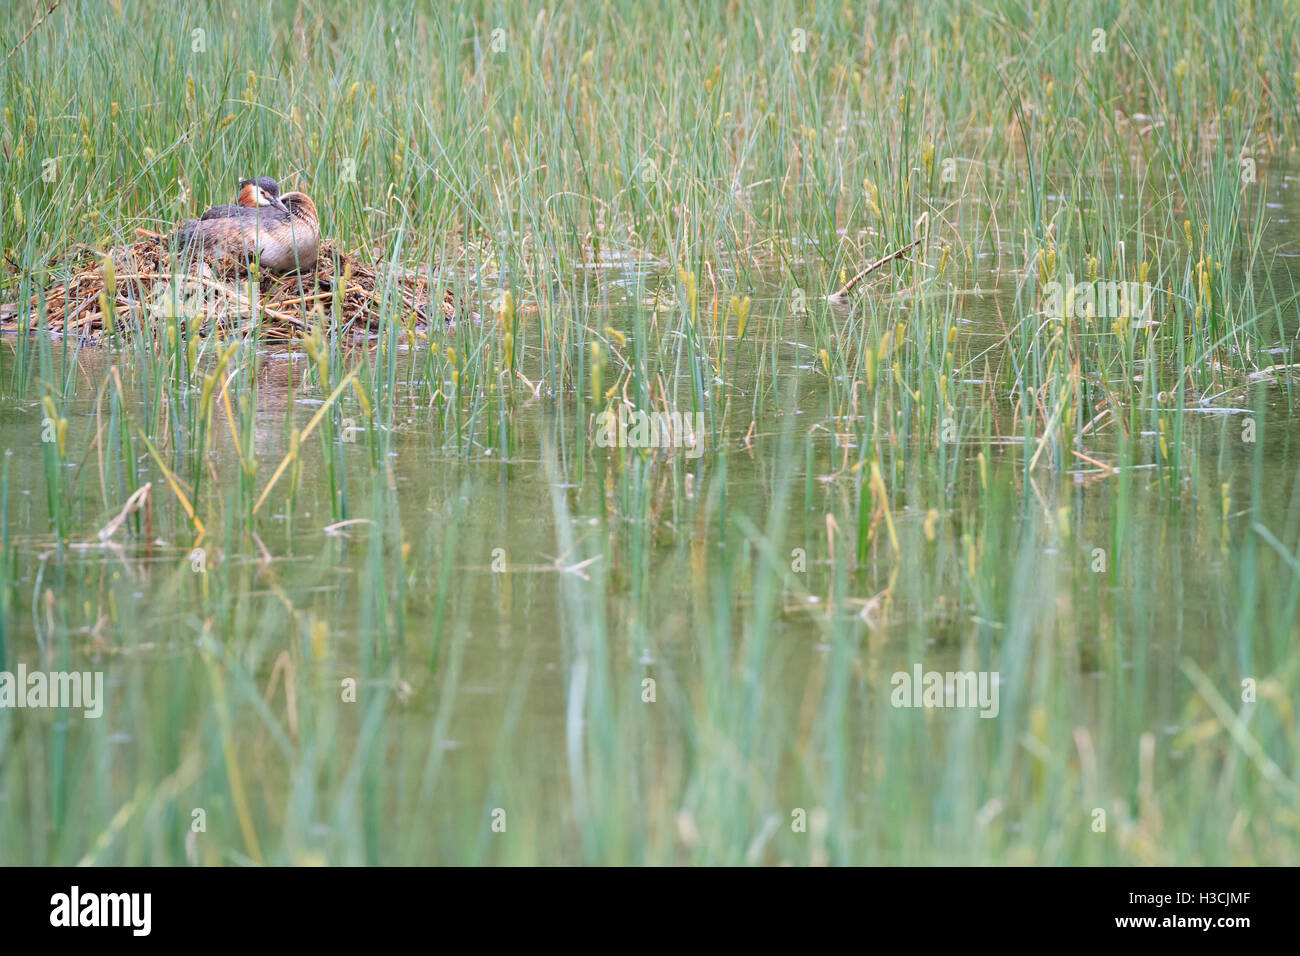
262	191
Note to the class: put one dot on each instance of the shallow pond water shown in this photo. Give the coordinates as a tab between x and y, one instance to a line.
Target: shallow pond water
523	647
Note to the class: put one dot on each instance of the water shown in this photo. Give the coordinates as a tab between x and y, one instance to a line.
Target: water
456	670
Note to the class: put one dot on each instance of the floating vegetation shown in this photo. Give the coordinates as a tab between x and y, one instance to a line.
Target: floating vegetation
130	289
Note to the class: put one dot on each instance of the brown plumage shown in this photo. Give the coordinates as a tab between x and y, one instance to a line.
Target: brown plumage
282	232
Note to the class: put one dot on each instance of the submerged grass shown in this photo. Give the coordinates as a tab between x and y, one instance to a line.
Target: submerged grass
393	601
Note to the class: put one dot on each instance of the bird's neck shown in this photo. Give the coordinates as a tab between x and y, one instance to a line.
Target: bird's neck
301	206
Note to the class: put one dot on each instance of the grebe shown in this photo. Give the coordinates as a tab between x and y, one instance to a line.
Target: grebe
282	231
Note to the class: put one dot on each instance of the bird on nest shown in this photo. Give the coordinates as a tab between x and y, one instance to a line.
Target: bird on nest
280	232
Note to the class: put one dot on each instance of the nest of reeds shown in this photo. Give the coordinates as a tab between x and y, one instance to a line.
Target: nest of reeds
136	286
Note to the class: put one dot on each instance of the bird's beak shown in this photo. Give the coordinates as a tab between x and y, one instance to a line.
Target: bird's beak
278	203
